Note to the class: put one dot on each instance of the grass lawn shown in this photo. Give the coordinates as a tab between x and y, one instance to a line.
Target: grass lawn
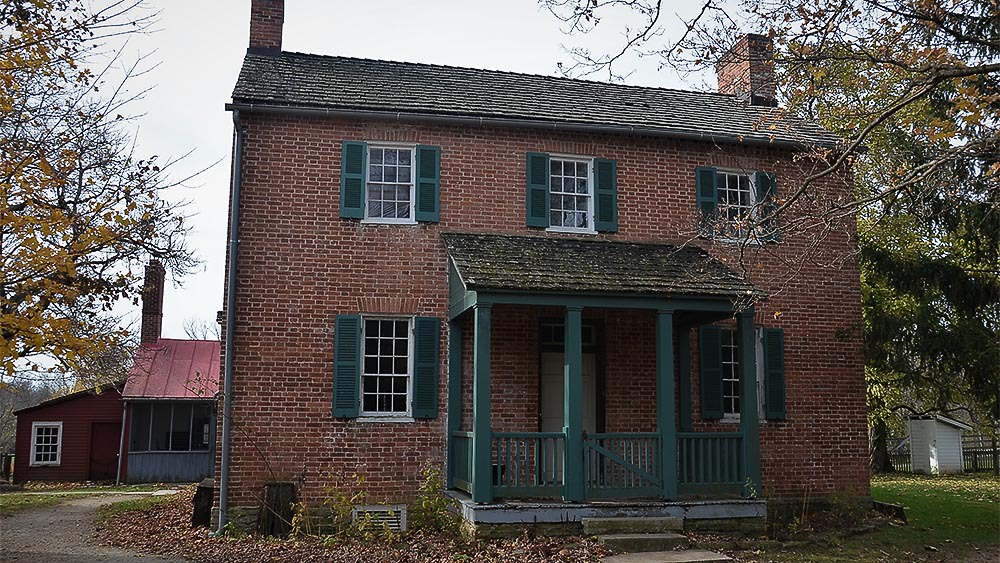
14	502
951	518
38	495
139	503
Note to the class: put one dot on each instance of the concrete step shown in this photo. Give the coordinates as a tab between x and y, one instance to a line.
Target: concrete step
683	556
633	543
604	526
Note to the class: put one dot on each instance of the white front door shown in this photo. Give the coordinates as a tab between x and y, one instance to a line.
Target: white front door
551	400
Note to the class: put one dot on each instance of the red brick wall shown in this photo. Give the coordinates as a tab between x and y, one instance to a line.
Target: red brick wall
300	265
78	415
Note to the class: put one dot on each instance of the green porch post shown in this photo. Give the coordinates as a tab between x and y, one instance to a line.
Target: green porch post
482	439
454	393
573	407
748	402
665	419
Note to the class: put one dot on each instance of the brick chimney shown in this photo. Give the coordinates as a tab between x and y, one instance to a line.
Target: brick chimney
747	70
152	302
266	20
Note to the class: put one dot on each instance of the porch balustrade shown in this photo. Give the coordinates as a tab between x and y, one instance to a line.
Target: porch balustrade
461	459
710	462
528	464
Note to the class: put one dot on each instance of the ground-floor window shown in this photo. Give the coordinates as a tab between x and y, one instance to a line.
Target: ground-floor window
46	443
385	373
177	427
731	373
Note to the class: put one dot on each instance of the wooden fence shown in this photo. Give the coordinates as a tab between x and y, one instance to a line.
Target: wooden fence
979	453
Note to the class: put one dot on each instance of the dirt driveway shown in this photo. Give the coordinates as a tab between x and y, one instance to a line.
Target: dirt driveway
62	534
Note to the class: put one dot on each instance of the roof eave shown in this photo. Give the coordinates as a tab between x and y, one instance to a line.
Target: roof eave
482	121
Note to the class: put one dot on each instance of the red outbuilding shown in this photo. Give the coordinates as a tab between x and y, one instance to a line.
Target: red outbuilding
75	437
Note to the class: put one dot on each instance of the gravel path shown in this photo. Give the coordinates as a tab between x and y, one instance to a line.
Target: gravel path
62	534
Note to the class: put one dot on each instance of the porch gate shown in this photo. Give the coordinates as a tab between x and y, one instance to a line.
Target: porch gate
621	465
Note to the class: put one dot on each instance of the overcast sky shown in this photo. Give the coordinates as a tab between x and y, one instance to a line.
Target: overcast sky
199	46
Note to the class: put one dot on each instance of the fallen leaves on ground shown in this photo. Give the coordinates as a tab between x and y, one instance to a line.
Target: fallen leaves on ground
165	529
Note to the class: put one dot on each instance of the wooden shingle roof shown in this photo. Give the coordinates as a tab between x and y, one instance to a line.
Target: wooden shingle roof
283	79
544	264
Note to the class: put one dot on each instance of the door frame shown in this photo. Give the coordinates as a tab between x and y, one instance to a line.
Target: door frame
596	347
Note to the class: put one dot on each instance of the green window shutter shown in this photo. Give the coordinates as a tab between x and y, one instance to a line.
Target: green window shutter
767	196
427	340
427	204
707	199
537	173
352	179
710	366
774	374
346	365
606	194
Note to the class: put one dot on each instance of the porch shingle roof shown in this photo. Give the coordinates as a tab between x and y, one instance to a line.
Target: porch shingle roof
545	264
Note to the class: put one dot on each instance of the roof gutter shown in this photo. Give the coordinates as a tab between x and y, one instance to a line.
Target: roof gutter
406	117
227	397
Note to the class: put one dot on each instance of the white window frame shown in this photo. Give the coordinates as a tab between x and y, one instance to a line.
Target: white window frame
758	338
35	426
411	220
589	161
753	210
382	416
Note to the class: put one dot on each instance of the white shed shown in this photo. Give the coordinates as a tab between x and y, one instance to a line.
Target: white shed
936	444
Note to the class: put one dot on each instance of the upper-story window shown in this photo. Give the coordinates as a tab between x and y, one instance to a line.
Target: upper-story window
735	204
390	184
570	194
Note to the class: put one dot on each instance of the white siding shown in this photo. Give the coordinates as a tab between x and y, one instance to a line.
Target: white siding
921	440
949	448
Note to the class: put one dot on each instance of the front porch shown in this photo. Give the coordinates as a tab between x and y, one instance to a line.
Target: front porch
582	459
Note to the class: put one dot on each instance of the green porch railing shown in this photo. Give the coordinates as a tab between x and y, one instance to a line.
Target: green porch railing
528	464
622	465
710	462
461	443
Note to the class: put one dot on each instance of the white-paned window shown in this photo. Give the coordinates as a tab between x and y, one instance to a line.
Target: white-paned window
390	184
571	201
46	443
736	203
731	372
387	365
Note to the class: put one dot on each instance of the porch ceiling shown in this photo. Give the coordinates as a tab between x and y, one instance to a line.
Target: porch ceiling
490	262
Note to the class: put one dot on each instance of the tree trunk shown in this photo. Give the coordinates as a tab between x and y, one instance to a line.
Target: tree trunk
879	451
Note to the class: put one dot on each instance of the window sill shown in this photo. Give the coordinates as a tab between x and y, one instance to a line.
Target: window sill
50	464
384	418
571	231
736	420
388	222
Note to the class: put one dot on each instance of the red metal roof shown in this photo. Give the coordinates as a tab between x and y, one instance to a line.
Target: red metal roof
175	369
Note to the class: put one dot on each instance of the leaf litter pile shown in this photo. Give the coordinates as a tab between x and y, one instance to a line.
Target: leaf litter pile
165	529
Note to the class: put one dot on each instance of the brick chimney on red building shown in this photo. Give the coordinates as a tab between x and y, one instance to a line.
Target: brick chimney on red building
152	302
266	20
747	70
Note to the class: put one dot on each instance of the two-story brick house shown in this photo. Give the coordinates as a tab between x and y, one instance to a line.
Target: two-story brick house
551	289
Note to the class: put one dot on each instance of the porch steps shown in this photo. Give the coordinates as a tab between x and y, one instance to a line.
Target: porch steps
647	540
633	543
606	526
683	556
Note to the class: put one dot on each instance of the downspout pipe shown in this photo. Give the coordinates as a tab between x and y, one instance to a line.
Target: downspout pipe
121	443
227	396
